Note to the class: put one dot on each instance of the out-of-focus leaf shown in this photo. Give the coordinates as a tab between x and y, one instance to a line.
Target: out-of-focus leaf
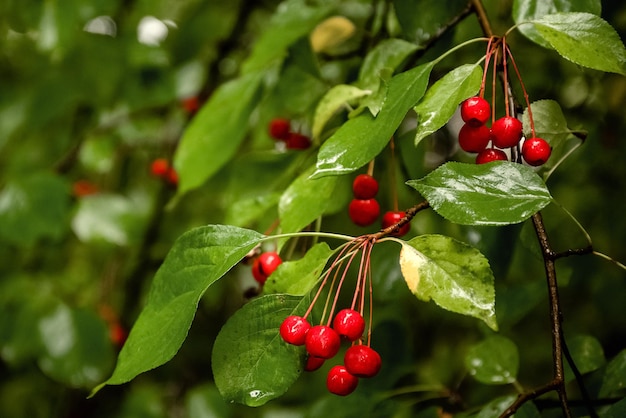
336	98
499	405
205	401
587	353
418	26
331	33
615	376
494	361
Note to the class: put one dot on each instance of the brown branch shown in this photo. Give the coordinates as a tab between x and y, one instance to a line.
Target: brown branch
408	215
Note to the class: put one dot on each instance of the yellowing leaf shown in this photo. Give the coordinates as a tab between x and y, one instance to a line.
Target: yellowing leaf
331	33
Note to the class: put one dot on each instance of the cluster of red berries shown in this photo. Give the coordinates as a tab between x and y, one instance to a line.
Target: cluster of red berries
323	341
161	168
264	265
364	208
280	130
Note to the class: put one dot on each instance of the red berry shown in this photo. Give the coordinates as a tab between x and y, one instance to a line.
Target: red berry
474	138
117	334
536	151
191	104
313	363
392	218
265	265
490	154
362	361
364	212
171	176
340	381
159	167
506	132
349	323
322	341
297	141
475	111
294	329
279	128
84	188
364	186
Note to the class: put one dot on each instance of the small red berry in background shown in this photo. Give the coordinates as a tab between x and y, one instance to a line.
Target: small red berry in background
365	186
293	330
322	341
82	188
506	132
191	104
279	128
490	154
159	167
117	334
536	151
295	140
475	111
172	177
265	265
392	218
362	361
313	363
364	212
349	323
474	138
340	381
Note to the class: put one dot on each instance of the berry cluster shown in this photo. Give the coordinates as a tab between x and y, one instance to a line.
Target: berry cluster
264	265
506	132
161	168
280	130
323	341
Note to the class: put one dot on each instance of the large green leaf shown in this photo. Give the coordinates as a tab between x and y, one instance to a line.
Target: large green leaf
454	275
527	10
497	193
585	39
494	361
361	139
587	353
197	259
614	381
216	132
442	99
251	363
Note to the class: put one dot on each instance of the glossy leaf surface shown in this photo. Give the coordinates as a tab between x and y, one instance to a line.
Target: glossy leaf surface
494	361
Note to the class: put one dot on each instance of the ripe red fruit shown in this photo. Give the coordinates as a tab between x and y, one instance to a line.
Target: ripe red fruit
82	188
490	154
265	265
191	104
279	128
536	151
117	334
295	140
475	111
506	132
322	341
362	361
364	212
159	167
294	329
474	138
172	177
364	186
313	363
349	323
392	218
340	381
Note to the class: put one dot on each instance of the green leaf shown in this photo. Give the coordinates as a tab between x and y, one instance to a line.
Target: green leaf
251	363
298	277
198	259
215	133
442	99
494	361
454	275
527	10
587	353
305	200
497	193
585	39
614	381
617	410
205	401
550	123
420	26
361	139
499	405
336	98
387	55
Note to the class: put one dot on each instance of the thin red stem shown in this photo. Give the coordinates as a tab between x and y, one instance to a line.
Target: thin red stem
506	77
524	92
481	93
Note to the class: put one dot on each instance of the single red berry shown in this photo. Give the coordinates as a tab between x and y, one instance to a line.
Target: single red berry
265	265
279	128
159	167
506	132
536	151
475	111
322	341
172	177
349	323
474	138
295	140
490	154
364	186
340	381
362	361
392	218
117	334
313	363
294	329
364	212
82	188
191	104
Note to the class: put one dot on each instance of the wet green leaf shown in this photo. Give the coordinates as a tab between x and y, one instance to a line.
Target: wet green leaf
614	381
454	275
497	193
494	361
251	363
336	98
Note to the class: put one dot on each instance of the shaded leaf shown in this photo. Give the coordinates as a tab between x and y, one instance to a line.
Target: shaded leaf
336	98
497	193
587	353
494	361
388	54
550	123
617	410
614	381
454	275
420	27
499	405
